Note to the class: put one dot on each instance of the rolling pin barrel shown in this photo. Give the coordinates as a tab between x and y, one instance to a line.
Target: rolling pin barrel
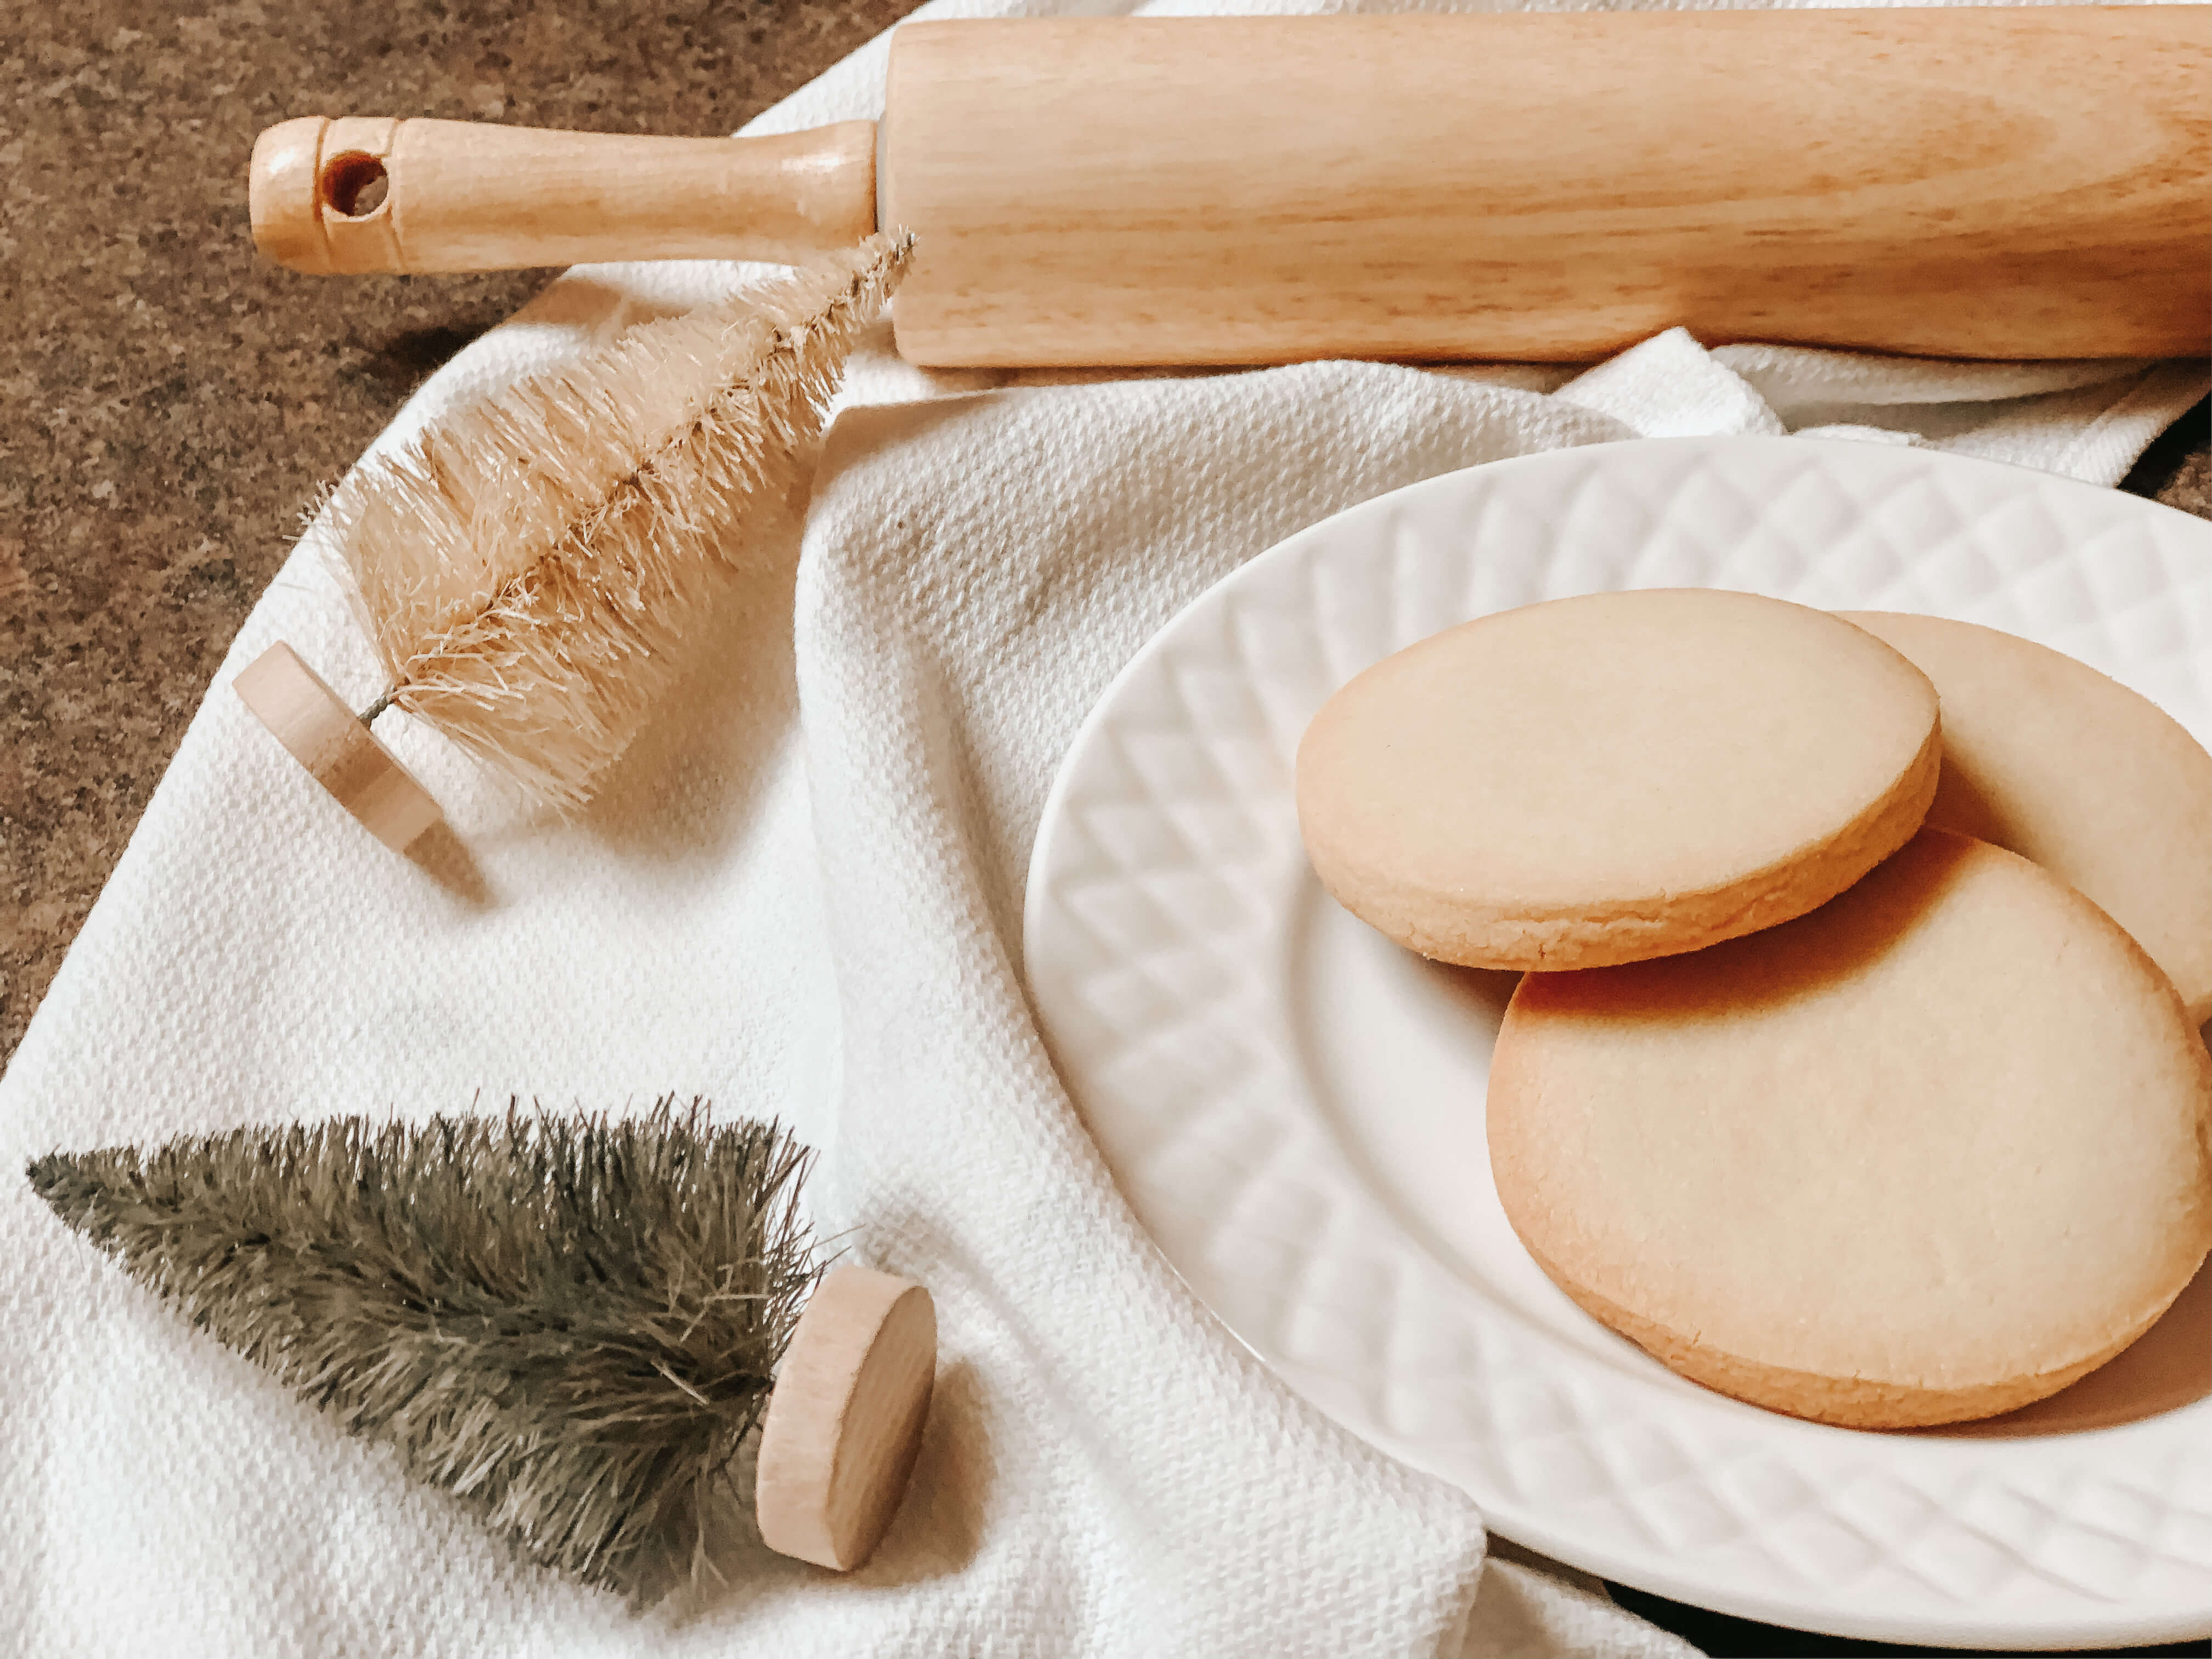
2024	181
358	195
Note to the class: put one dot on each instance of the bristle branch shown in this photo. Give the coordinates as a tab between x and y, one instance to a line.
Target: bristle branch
526	566
570	1323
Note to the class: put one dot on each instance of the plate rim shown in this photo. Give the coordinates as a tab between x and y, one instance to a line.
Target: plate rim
1972	1627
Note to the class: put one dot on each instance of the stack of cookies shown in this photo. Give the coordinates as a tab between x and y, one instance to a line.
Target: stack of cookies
1856	1071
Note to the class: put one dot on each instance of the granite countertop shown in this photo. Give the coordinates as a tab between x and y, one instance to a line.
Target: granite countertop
169	403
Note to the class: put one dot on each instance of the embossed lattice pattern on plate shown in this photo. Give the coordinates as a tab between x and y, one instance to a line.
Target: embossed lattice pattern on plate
1172	923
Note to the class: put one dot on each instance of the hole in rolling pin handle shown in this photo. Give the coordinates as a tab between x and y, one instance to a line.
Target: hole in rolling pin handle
354	185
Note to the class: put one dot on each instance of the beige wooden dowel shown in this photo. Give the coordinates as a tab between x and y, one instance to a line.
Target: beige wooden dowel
338	751
469	196
844	1422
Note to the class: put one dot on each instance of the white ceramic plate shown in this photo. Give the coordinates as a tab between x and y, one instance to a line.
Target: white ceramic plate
1294	1106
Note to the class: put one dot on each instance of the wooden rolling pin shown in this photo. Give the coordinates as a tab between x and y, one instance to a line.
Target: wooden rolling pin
2022	182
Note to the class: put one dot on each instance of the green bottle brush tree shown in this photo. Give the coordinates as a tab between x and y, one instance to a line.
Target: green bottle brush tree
571	1324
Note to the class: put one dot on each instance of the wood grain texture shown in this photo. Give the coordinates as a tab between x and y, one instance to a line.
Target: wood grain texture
472	195
844	1424
338	751
2010	183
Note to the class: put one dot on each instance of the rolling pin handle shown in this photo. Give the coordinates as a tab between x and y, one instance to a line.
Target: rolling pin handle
281	191
360	194
318	194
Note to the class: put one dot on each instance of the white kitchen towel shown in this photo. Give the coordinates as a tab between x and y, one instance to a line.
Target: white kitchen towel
800	895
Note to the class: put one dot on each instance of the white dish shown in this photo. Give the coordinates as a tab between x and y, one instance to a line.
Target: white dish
1293	1107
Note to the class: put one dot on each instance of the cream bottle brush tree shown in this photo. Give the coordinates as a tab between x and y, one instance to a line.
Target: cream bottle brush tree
526	566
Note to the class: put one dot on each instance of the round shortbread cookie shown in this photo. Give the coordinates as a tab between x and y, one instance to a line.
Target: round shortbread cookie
1929	1153
1601	780
2100	787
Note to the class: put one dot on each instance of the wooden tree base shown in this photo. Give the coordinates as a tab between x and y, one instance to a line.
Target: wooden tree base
845	1421
339	752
